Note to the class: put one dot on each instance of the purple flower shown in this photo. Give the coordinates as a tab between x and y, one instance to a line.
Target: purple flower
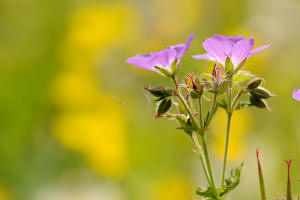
163	60
236	48
296	94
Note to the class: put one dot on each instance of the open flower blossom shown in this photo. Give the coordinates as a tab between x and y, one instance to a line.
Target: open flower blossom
236	48
296	95
163	59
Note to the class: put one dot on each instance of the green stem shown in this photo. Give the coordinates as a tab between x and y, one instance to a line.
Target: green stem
211	110
176	84
208	163
199	152
193	120
229	114
236	98
226	146
200	113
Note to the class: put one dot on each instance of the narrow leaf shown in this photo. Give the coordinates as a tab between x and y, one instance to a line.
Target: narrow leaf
288	190
261	178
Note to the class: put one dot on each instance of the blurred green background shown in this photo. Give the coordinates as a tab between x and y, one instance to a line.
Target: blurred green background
75	123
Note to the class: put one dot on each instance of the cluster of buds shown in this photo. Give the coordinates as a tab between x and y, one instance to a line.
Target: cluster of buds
258	94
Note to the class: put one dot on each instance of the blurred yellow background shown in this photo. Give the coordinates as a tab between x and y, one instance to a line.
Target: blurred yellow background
75	123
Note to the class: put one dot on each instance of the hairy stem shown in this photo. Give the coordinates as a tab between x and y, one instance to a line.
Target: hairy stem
200	113
208	163
186	107
229	116
199	152
213	107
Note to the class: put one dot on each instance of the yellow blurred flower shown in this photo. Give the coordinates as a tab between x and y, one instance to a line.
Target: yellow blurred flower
175	17
172	187
99	133
5	193
88	120
240	124
93	30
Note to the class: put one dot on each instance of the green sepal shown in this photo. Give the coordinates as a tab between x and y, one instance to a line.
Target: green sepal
164	106
242	76
240	66
229	67
195	94
164	71
174	68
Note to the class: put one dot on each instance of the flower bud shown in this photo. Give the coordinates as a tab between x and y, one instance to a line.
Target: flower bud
254	83
160	91
261	93
195	86
260	103
164	106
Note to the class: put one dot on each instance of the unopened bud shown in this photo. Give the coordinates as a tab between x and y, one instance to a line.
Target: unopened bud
254	83
160	91
164	106
261	93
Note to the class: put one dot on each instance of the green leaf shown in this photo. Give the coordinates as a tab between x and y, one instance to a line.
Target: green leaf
164	106
232	181
208	193
261	178
242	76
229	67
164	72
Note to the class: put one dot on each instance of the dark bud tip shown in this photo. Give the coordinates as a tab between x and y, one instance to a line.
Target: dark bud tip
254	83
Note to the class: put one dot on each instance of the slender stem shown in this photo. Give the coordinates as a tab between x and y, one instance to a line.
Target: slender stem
200	113
211	110
193	120
229	114
226	146
236	98
176	84
208	163
199	152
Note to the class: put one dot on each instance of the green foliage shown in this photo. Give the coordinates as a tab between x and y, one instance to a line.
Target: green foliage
232	181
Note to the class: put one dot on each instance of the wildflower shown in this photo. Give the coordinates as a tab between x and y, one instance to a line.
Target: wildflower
236	48
165	61
296	94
